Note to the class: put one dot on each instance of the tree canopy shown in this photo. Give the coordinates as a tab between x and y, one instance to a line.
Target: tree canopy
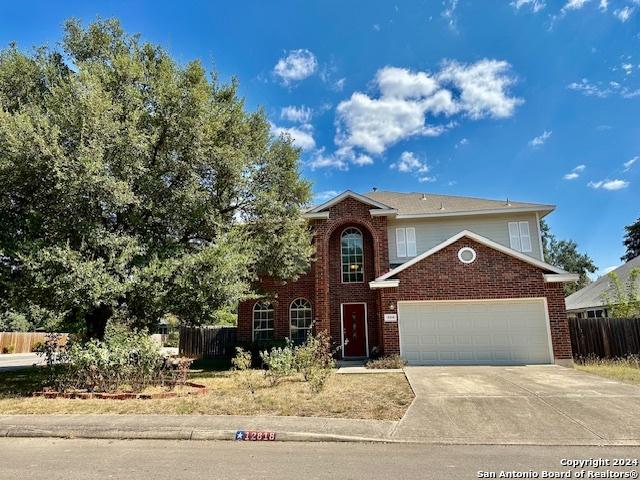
565	254
632	241
132	187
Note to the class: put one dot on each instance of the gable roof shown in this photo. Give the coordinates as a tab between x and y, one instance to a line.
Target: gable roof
346	194
484	241
417	204
591	295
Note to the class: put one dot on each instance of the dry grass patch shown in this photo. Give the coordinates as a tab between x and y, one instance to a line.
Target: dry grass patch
625	369
380	397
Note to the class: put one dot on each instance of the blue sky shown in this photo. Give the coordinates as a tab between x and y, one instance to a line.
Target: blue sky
525	99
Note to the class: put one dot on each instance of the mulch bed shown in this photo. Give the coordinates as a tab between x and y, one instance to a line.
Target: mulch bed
197	389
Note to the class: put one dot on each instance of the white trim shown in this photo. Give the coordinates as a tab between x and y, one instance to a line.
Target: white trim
366	327
401	243
272	309
561	277
480	239
546	209
485	300
384	284
349	193
540	237
383	212
474	255
316	215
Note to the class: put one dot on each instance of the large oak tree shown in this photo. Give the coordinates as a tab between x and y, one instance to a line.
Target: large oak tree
132	186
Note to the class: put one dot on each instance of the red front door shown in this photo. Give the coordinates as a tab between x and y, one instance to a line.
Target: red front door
354	330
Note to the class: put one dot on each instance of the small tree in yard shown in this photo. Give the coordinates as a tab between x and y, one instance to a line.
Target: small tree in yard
624	302
133	187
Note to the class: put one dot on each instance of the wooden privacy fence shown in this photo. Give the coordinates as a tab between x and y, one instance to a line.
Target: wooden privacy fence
605	337
208	342
23	342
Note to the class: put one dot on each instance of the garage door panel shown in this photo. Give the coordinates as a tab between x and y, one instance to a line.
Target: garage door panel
500	332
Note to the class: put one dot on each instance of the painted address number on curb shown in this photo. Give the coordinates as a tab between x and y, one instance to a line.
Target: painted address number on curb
251	436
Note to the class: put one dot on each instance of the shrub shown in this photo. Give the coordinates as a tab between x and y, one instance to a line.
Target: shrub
242	363
256	347
9	349
124	360
279	362
391	361
314	360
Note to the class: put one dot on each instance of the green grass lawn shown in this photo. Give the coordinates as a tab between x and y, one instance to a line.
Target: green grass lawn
381	396
625	370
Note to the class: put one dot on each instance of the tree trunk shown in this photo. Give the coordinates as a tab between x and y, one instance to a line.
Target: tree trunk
96	321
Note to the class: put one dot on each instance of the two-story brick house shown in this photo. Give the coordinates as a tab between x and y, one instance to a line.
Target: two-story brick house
438	279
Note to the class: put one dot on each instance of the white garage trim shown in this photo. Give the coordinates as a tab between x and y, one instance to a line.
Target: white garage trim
543	301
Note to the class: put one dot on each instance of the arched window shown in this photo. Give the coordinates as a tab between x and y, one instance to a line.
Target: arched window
300	320
263	321
352	256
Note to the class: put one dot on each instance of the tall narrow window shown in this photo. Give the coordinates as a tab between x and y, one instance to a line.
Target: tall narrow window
519	236
263	321
351	248
300	320
406	242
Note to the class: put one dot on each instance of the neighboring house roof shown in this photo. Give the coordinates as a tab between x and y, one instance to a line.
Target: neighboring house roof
556	275
592	294
417	204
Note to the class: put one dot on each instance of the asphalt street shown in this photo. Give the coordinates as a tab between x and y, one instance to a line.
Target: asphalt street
51	459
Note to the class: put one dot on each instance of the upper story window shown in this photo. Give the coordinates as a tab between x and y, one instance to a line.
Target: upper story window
263	315
351	249
519	236
406	242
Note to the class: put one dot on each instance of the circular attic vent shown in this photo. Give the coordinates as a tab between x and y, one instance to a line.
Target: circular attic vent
467	255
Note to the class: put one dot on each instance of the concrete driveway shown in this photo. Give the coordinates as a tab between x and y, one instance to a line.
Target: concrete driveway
543	404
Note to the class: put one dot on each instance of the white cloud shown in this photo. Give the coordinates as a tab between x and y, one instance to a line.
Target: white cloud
623	14
603	90
297	65
427	179
340	159
410	163
449	13
302	136
376	27
574	5
321	197
540	140
462	142
338	85
630	163
406	98
609	184
604	4
575	172
610	269
299	114
535	5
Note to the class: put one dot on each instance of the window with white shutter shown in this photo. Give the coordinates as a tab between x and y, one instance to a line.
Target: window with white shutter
401	245
525	237
520	236
411	242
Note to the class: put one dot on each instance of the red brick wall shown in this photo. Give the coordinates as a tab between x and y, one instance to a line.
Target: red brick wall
492	275
323	284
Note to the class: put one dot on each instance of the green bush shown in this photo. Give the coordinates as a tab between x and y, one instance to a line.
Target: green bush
242	363
124	360
314	353
255	348
280	362
391	361
9	349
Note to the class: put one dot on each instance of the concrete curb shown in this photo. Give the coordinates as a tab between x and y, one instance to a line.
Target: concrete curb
229	435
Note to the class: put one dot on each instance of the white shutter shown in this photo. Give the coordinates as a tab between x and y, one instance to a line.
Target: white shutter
401	246
411	242
525	237
514	236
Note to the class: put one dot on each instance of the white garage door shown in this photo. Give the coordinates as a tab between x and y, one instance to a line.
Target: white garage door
474	333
